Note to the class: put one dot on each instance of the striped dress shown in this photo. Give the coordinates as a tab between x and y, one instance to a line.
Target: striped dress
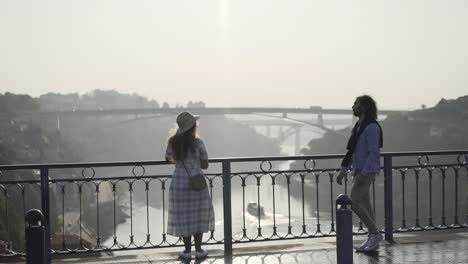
190	212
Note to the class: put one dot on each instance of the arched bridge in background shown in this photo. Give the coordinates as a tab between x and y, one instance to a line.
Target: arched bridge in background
288	121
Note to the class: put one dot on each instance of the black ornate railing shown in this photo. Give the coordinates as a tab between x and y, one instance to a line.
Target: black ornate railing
93	207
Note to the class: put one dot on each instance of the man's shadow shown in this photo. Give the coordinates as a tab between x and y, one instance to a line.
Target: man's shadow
373	256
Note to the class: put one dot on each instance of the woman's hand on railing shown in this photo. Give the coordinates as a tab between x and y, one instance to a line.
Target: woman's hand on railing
339	178
204	164
170	159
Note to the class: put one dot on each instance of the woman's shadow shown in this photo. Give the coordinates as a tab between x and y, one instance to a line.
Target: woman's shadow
193	261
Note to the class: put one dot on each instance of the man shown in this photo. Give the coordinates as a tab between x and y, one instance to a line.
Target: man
364	155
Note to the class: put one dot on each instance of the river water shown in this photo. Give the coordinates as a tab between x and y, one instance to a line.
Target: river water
283	216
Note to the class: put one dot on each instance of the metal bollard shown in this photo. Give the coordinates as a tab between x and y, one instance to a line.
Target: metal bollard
344	230
35	237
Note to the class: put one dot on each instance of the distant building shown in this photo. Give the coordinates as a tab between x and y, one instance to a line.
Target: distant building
200	104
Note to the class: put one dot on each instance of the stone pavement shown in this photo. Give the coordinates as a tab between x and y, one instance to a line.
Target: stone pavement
438	247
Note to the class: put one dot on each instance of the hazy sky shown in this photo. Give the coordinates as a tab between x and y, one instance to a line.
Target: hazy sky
288	53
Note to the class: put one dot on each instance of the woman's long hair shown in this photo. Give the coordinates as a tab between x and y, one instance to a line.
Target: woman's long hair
182	143
369	106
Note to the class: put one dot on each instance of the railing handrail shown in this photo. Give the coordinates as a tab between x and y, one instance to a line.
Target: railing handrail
219	160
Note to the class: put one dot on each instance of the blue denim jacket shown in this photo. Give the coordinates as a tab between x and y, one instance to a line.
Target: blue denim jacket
366	157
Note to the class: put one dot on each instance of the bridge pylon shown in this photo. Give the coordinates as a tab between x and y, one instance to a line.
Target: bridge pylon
320	120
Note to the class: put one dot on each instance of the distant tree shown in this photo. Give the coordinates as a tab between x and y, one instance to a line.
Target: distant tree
153	104
442	102
17	103
96	99
11	229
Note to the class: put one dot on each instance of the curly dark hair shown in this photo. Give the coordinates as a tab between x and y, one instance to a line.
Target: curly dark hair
369	106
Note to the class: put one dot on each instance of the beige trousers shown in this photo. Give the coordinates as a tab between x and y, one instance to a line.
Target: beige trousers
361	201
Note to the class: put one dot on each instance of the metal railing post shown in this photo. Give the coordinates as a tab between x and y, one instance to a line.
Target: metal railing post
45	204
388	196
344	230
227	208
35	237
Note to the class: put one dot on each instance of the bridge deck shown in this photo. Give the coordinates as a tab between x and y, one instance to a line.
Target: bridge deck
198	111
446	246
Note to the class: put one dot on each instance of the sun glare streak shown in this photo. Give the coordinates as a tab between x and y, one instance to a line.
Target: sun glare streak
224	43
223	17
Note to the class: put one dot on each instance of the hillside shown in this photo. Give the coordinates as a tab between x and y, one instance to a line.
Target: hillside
441	127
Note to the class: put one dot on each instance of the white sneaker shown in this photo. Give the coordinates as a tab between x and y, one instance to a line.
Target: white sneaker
373	243
201	254
185	255
363	245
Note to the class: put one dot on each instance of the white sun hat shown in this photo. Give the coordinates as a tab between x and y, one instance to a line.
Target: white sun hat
186	121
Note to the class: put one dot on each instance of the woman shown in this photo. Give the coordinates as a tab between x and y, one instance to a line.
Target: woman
190	212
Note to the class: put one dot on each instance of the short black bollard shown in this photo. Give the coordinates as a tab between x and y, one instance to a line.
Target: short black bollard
344	230
35	237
